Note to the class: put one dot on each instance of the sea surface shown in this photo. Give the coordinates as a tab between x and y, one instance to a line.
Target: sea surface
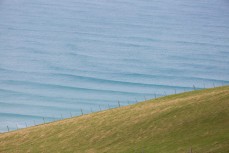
61	57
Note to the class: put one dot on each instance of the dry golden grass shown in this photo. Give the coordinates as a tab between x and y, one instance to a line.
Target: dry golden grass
173	124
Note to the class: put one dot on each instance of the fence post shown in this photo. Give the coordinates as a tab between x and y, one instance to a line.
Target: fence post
8	128
81	111
194	88
17	126
191	150
119	104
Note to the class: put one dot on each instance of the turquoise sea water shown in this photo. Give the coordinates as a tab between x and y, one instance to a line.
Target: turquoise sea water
58	57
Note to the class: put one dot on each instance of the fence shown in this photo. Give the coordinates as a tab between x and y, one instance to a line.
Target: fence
82	112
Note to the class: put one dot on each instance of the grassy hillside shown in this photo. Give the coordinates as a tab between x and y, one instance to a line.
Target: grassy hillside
173	124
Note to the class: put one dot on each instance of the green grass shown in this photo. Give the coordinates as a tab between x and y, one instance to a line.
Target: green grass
173	124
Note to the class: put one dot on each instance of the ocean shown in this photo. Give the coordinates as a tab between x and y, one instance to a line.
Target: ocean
61	58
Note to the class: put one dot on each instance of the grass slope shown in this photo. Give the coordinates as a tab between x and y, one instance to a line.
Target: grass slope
172	124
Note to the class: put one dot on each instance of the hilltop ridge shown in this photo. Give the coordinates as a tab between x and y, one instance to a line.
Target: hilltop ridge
196	120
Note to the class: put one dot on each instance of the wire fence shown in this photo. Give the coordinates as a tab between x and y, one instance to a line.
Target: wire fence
101	107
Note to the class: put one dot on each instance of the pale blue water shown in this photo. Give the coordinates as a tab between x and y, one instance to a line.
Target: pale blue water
57	56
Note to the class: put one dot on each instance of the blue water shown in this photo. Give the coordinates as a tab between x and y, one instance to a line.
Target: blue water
58	57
